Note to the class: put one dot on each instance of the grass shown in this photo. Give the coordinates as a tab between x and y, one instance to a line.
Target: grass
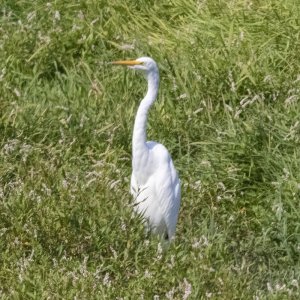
228	111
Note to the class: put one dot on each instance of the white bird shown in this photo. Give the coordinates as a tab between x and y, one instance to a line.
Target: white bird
155	185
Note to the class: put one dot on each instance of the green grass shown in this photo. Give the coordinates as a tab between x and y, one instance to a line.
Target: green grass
228	111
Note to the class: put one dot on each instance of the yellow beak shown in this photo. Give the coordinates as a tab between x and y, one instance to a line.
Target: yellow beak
127	62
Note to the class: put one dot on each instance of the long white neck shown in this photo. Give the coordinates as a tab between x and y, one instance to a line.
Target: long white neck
140	125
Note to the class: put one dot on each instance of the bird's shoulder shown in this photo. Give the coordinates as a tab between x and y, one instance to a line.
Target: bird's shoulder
158	150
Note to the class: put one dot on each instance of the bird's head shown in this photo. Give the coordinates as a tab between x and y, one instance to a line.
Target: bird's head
146	64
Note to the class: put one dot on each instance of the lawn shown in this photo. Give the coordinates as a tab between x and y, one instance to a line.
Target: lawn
228	111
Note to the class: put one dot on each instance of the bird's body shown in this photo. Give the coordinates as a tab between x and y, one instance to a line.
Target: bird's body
156	191
155	185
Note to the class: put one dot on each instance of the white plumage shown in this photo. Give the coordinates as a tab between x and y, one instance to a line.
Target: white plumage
155	185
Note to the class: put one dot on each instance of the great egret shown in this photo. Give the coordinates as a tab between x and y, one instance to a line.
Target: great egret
155	185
